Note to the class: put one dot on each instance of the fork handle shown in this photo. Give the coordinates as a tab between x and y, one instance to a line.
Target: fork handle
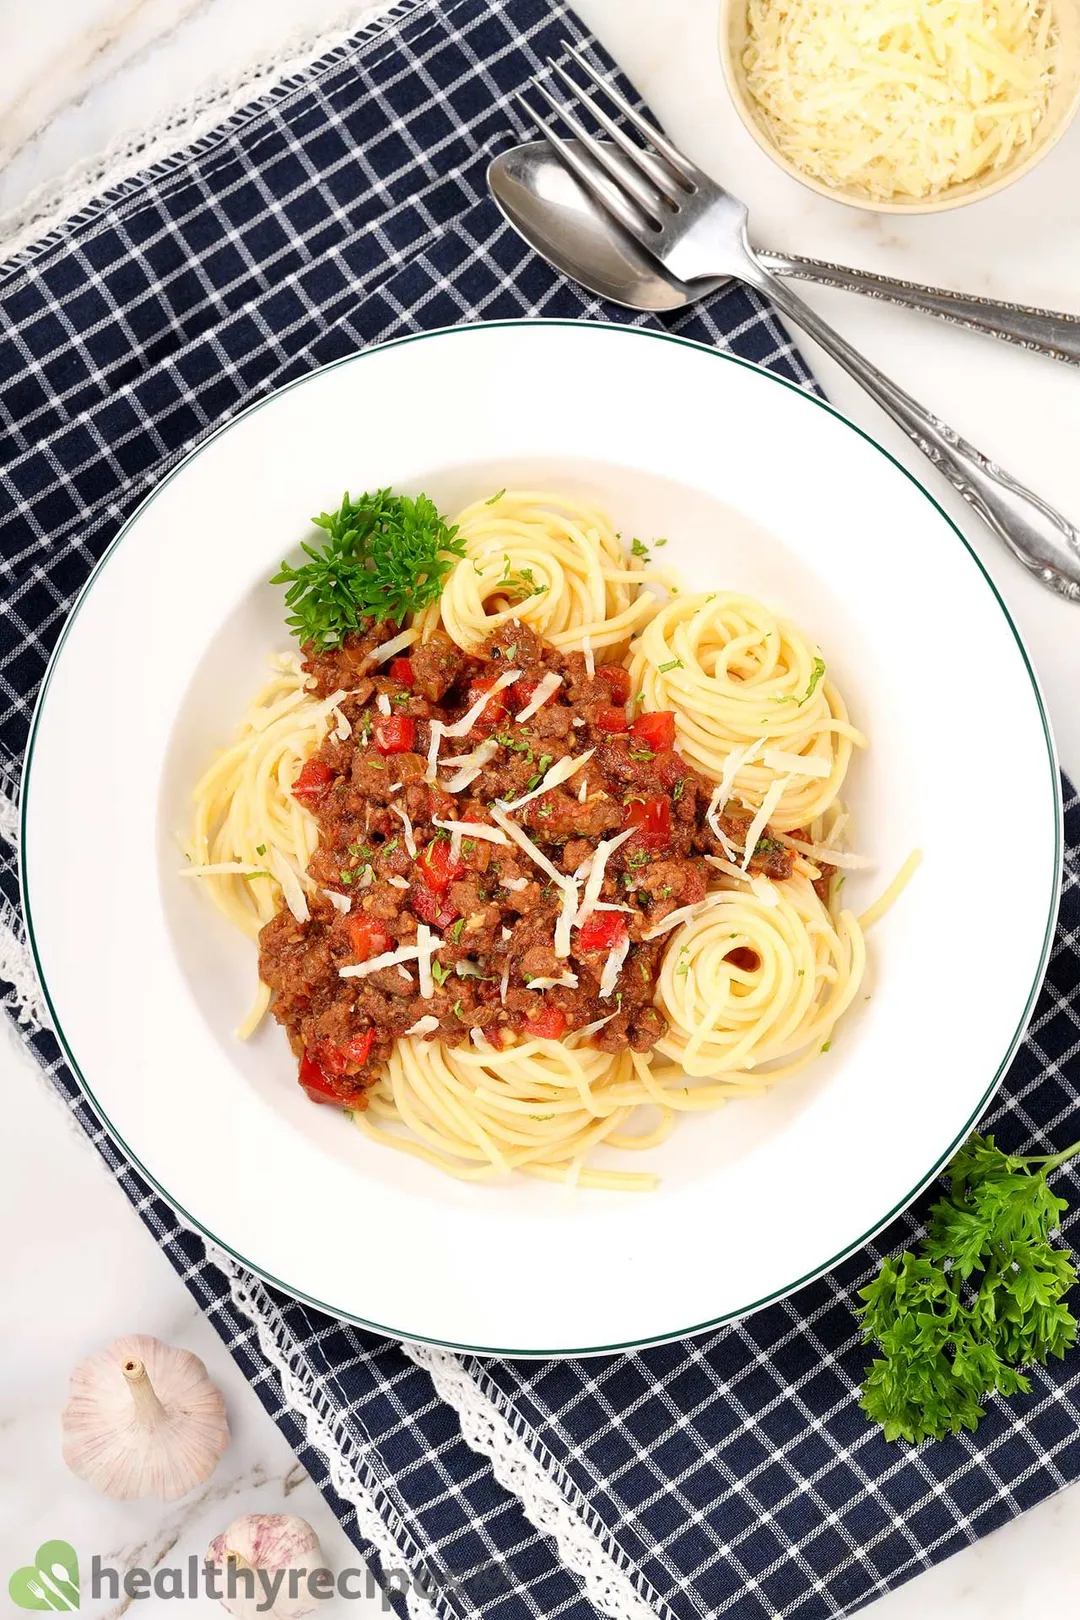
1045	331
1045	542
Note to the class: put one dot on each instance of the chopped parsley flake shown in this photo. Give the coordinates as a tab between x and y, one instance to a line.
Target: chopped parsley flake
496	497
455	932
675	663
260	849
640	549
439	973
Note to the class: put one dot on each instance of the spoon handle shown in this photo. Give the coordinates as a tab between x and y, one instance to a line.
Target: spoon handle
1045	331
1043	540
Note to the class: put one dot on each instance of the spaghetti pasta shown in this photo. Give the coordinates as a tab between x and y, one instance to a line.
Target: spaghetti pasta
555	564
737	676
748	987
752	978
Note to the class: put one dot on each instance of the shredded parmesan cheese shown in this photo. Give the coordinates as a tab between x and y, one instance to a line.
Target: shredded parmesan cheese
426	945
291	887
567	913
604	850
590	1029
562	770
796	764
504	983
434	739
761	886
524	842
382	703
761	819
833	857
471	766
590	660
515	885
462	727
344	729
360	970
423	1026
473	829
406	821
398	882
675	919
898	101
568	981
613	967
340	902
387	649
547	689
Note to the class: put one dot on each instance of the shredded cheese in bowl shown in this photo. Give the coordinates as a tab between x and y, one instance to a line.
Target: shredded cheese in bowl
898	99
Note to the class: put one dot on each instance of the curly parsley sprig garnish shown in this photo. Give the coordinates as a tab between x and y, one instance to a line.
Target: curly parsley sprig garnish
983	1296
385	556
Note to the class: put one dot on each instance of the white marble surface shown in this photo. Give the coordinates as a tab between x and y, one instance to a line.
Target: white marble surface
77	1267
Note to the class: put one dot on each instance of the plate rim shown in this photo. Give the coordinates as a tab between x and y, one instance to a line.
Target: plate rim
667	1336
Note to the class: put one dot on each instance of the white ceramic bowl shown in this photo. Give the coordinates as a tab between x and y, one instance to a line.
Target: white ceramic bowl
760	487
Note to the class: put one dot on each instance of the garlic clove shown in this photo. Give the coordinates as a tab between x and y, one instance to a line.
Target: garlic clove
262	1550
143	1419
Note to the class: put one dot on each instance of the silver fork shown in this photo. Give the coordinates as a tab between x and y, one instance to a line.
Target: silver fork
697	229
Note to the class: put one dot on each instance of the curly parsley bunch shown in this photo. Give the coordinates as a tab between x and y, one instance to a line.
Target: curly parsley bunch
983	1297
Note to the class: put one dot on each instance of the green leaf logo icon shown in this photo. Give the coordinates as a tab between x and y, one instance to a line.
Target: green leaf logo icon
51	1581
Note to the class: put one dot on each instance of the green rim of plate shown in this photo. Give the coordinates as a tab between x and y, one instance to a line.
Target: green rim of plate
667	1334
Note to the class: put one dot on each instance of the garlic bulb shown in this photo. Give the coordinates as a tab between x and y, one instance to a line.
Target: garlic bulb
256	1556
143	1419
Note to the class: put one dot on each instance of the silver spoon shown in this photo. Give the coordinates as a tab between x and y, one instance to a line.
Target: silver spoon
555	214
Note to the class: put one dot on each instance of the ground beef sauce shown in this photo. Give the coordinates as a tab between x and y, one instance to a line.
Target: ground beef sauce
493	906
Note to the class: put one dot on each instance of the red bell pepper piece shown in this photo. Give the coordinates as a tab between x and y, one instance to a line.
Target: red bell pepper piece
609	718
617	680
655	731
651	817
602	931
313	782
548	1025
395	734
401	670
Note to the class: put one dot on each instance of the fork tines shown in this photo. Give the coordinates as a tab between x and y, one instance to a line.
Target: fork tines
641	188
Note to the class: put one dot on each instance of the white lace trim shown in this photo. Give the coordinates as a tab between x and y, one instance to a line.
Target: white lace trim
63	203
314	1415
25	997
553	1507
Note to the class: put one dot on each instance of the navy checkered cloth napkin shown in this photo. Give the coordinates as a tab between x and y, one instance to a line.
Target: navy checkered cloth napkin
732	1474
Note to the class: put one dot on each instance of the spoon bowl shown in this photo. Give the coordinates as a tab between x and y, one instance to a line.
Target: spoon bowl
556	215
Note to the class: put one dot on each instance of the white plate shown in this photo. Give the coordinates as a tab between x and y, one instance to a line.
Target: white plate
760	488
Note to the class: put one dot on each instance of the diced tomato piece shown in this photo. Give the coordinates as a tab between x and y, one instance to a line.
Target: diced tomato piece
651	817
522	692
602	931
609	718
313	782
395	734
359	1047
317	1083
401	670
431	908
656	731
670	768
436	867
548	1025
617	680
496	711
368	937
